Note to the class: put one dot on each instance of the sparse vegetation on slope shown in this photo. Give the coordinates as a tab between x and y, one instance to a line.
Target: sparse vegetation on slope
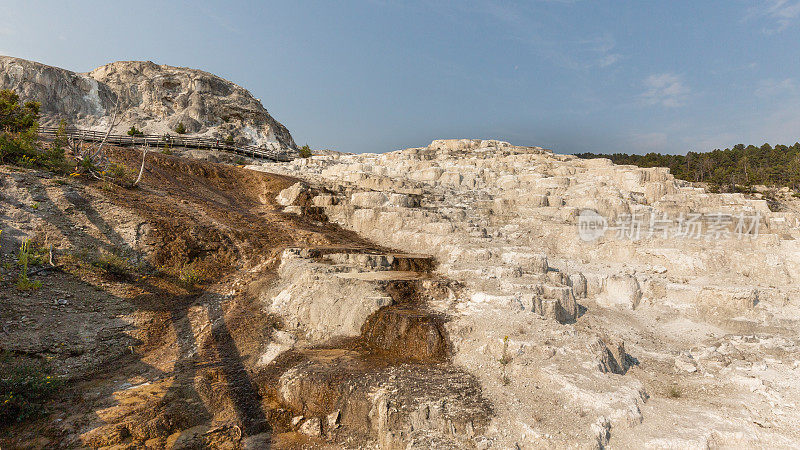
27	257
24	389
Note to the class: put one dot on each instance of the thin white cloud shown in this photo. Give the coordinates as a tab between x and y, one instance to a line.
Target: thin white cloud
603	48
778	126
665	89
784	11
772	87
780	13
526	27
609	60
219	19
501	13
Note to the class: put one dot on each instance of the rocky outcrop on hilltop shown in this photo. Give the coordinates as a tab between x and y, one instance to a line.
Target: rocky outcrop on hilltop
154	98
600	305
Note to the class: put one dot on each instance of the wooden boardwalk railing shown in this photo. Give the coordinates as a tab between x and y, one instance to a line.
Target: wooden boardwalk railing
170	141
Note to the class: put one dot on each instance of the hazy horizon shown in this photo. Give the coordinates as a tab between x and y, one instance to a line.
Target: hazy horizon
569	75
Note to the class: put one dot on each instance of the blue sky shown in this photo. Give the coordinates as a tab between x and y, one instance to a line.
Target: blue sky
570	75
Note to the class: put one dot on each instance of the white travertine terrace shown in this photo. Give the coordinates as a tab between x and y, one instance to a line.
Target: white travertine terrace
659	342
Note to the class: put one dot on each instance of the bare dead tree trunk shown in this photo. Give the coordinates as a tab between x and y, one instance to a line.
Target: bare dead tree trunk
141	169
111	126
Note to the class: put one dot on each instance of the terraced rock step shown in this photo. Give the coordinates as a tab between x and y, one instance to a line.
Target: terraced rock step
369	259
388	384
406	333
355	395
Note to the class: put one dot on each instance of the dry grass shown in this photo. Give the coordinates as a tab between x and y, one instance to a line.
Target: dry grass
674	392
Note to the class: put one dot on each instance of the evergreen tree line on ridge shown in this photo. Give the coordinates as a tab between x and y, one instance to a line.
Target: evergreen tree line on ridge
731	170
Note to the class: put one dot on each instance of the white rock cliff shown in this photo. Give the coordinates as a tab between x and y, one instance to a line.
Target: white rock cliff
154	98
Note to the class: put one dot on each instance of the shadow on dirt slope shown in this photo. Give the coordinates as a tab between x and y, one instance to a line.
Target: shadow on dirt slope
158	355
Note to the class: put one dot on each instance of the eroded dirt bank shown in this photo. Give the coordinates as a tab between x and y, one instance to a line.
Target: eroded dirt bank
161	316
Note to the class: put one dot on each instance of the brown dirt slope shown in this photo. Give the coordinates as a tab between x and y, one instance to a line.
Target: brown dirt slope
148	313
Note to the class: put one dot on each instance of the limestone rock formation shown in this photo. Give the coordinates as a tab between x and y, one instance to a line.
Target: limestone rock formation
154	98
592	309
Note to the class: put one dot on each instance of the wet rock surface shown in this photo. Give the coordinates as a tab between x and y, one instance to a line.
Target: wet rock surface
404	332
390	384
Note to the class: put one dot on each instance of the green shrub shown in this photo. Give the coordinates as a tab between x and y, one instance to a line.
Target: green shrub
504	361
32	254
26	257
25	154
167	147
19	139
25	387
16	118
180	129
192	274
305	151
88	165
61	139
113	265
114	171
13	146
134	131
230	140
26	284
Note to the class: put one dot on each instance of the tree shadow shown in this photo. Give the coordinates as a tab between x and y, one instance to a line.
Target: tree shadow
244	392
182	405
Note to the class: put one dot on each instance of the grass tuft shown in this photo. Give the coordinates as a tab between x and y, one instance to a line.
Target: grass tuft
113	265
674	392
25	387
